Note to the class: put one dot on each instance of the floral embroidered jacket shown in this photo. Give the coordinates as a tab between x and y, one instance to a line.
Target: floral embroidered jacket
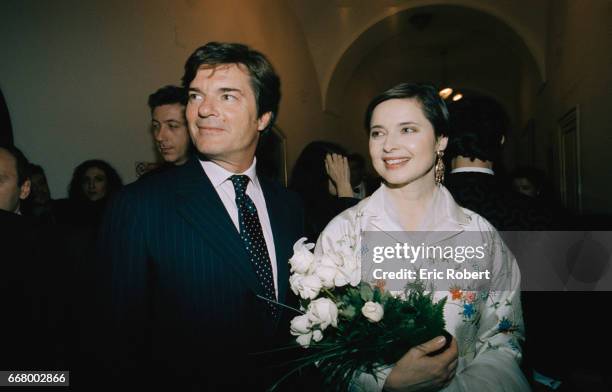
487	324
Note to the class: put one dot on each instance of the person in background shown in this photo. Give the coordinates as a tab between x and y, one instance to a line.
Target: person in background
528	180
363	184
168	124
357	165
93	183
477	135
39	204
31	278
322	178
14	179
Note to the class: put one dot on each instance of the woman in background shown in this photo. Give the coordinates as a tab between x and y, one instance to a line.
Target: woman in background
93	183
321	176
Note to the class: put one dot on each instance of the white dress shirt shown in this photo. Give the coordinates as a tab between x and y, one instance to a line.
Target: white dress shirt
473	169
220	179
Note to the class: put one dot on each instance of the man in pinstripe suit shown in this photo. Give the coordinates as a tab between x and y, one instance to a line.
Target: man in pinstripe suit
187	306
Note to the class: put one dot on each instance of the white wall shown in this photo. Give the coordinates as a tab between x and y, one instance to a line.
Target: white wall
76	74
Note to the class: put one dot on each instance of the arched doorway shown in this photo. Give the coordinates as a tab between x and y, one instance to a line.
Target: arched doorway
445	44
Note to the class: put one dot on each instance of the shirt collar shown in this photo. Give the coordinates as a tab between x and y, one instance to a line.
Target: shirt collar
473	169
444	214
218	175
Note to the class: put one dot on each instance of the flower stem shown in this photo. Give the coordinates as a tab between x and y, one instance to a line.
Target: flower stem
326	291
279	304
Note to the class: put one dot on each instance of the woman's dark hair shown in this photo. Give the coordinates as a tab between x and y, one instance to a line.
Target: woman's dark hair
264	80
426	95
113	181
309	177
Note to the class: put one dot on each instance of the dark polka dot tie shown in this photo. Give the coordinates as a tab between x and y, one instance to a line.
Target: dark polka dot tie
254	241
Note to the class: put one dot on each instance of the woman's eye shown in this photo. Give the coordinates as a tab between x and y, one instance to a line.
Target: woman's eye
408	130
374	134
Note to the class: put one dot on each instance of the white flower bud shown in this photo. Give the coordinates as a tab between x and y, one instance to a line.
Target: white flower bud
373	311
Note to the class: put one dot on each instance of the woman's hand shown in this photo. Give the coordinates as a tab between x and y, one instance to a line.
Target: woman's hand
416	371
339	172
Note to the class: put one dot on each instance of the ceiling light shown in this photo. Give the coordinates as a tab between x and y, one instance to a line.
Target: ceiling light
445	92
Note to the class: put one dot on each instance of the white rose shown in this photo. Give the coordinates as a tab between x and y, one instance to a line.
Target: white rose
373	311
342	278
349	271
294	283
309	286
302	259
326	270
324	312
317	335
300	325
304	340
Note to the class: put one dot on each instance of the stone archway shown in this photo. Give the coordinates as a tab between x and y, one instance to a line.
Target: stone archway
385	25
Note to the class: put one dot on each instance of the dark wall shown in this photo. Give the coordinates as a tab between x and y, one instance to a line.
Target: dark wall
6	130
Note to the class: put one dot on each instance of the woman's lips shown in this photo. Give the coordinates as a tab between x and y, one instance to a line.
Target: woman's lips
394	163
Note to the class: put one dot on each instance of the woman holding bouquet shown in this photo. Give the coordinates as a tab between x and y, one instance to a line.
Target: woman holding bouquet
408	128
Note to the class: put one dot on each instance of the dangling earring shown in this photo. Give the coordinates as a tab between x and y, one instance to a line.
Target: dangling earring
439	170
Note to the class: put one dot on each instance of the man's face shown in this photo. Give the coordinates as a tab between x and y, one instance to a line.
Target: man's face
222	116
10	192
170	132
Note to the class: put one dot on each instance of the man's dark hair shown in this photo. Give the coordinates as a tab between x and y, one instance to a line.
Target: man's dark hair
168	95
22	163
264	80
426	95
478	124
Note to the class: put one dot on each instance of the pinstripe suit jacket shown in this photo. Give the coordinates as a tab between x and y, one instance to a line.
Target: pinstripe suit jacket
181	286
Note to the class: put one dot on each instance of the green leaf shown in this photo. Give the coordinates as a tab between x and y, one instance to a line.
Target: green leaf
348	312
366	292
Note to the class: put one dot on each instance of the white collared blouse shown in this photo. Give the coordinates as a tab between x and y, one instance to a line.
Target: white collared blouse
487	324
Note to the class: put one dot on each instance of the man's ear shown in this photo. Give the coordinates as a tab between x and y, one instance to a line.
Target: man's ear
25	189
263	121
502	141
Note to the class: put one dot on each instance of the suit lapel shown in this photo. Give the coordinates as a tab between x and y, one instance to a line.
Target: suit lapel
280	230
199	204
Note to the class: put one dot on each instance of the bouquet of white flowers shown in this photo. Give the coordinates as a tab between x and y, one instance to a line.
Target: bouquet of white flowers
351	326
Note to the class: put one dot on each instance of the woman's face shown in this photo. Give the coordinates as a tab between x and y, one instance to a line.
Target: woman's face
94	183
402	143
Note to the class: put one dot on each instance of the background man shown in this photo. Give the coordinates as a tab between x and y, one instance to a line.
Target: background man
198	254
30	276
478	128
168	124
14	180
